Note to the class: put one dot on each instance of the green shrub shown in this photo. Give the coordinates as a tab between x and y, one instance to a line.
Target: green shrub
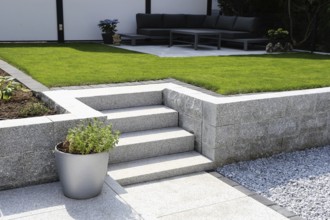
33	109
7	87
91	136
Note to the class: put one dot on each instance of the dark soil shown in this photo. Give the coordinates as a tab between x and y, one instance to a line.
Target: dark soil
12	108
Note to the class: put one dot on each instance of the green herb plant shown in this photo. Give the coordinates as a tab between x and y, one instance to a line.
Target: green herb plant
89	137
33	109
7	87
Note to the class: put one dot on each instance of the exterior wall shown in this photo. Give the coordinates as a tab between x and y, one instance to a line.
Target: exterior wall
33	20
82	16
249	127
179	6
37	19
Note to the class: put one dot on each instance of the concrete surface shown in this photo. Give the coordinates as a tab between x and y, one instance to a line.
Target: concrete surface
188	51
194	196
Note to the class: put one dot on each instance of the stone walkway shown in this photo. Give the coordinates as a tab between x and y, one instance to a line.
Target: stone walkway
194	196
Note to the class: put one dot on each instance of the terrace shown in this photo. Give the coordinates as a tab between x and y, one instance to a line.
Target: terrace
207	132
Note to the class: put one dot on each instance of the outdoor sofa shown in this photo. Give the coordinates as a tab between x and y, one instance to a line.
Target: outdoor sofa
230	27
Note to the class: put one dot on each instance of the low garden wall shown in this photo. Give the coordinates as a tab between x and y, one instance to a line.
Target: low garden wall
26	147
227	128
230	129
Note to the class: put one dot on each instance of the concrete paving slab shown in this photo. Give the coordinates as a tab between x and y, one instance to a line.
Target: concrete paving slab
48	202
179	194
237	209
188	51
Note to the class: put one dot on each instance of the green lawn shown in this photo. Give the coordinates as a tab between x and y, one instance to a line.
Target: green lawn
82	64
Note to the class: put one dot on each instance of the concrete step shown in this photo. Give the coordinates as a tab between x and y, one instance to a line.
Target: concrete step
151	143
159	167
124	98
142	118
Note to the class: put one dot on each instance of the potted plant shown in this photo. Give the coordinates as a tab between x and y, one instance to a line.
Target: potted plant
278	40
82	159
109	28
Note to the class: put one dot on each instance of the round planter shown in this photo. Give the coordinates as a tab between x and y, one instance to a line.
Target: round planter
107	38
81	176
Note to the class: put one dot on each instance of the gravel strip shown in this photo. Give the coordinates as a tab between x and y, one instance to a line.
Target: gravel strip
299	181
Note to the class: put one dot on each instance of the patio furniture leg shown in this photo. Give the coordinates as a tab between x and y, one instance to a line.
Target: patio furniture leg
171	40
196	42
133	42
245	45
219	42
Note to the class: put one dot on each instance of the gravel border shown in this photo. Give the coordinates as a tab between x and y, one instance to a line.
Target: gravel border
299	181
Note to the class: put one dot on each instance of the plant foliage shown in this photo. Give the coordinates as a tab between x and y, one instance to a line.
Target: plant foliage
33	109
108	25
90	136
7	87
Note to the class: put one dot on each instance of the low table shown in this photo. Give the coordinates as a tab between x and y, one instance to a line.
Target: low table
134	37
197	35
247	41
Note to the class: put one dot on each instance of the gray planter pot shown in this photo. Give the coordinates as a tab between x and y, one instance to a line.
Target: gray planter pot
81	176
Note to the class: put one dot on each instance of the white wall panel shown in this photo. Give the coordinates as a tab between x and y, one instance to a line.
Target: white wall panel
82	16
27	20
179	6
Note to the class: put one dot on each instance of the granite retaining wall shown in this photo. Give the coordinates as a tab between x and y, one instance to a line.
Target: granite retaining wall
231	129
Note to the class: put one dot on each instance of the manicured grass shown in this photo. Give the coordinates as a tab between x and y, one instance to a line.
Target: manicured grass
82	64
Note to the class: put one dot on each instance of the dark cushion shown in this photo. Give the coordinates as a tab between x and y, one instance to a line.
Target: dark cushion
174	21
209	21
225	22
149	20
195	21
245	24
154	31
228	34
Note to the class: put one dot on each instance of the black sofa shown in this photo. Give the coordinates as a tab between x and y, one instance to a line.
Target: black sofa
231	27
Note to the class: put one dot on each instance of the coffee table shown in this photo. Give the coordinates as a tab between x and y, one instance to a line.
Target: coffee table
197	35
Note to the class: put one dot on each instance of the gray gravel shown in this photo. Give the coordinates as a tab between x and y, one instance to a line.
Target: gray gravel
299	181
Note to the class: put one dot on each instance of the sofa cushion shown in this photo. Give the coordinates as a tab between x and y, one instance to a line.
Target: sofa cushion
149	20
154	31
225	22
209	21
174	21
245	24
195	21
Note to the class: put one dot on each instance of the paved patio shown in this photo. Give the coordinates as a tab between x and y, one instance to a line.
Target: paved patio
188	51
194	196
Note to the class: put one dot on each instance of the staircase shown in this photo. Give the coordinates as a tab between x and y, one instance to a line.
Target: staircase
151	145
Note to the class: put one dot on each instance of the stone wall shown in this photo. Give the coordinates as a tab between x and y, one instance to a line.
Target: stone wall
26	151
231	129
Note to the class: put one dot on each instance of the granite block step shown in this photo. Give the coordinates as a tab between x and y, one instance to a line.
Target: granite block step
142	118
159	167
124	99
151	143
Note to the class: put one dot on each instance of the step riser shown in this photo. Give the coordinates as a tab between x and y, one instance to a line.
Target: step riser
118	101
166	174
125	153
147	122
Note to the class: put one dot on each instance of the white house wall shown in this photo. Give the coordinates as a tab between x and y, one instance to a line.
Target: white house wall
36	20
82	16
179	6
28	20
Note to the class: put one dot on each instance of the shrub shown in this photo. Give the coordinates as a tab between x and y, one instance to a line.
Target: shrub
91	136
33	109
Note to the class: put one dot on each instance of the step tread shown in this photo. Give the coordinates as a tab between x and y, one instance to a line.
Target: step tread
152	135
149	166
137	111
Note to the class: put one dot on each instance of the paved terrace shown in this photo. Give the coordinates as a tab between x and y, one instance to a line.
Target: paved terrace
195	196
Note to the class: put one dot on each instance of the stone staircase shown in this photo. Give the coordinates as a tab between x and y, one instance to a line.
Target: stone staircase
151	145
